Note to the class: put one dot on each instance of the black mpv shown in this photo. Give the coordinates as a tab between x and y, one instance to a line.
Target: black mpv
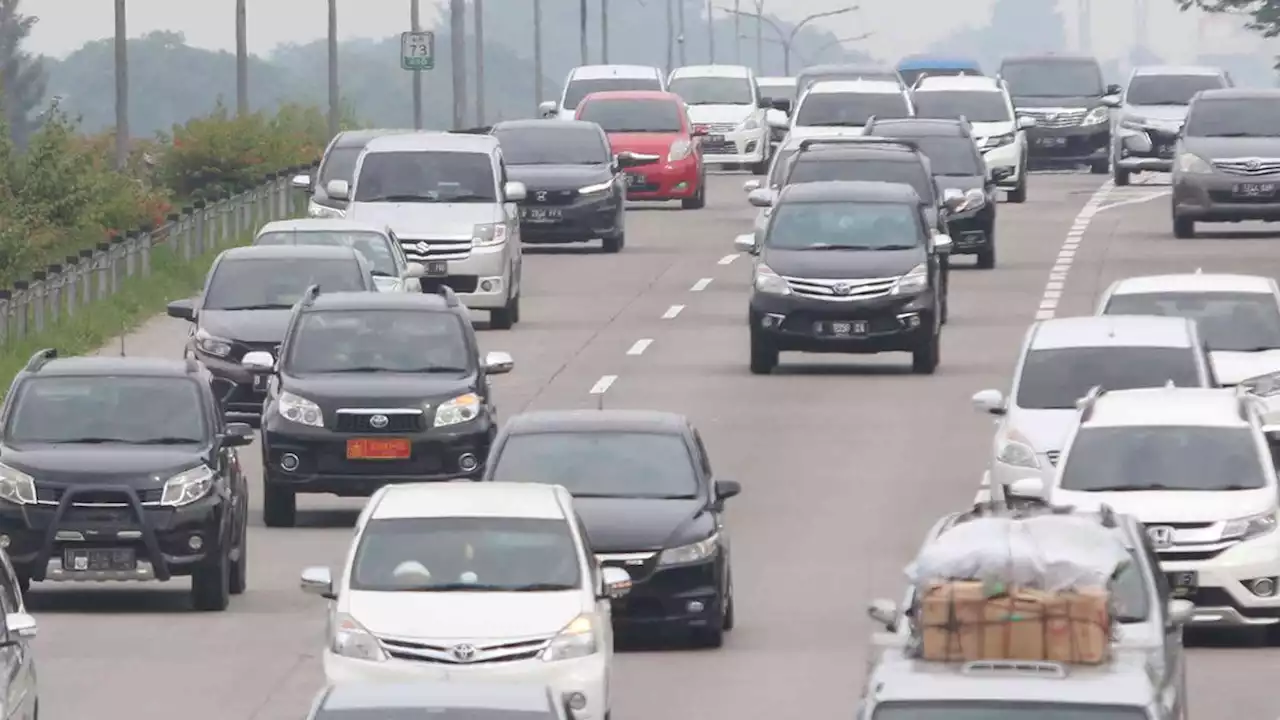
371	389
122	468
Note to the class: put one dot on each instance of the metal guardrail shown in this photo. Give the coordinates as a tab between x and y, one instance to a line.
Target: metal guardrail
97	273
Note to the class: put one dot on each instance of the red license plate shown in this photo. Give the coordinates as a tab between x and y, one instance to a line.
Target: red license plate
378	449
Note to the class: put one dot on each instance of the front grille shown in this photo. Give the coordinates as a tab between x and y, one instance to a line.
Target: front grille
463	653
1054	118
1053	456
419	249
335	462
724	147
548	197
461	284
720	127
1183	555
1249	167
841	290
51	494
1181	525
398	421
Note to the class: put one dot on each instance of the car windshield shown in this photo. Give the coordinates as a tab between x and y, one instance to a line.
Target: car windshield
1239	322
713	90
845	226
777	91
553	144
340	164
1055	379
579	89
1052	79
973	105
618	115
1168	89
421	176
108	409
433	712
375	247
368	341
600	464
912	75
277	283
1163	457
1241	117
952	156
849	109
815	169
481	554
806	80
1004	710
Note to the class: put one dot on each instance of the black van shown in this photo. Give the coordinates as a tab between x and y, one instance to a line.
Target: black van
1066	95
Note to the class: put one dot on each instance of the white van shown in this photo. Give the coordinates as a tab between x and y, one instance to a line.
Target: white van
587	79
726	101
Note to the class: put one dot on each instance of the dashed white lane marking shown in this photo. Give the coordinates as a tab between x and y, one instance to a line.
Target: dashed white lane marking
672	311
728	259
700	285
1067	254
603	384
640	346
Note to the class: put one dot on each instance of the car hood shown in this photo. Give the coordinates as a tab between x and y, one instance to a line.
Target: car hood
720	114
464	616
1233	367
983	130
635	524
842	264
429	220
1046	430
1217	148
132	465
250	326
1172	506
1169	115
643	143
389	390
961	182
1076	102
559	177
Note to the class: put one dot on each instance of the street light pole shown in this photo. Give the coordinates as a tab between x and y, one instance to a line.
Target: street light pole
737	33
478	7
711	34
808	60
415	23
788	38
242	59
537	52
334	96
604	32
582	29
122	88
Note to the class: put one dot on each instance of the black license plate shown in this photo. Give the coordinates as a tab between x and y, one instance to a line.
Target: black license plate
542	215
437	268
842	328
1183	582
1254	190
99	559
1051	142
260	382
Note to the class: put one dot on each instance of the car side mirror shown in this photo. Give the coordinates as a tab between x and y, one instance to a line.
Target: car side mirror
548	108
1030	488
781	105
1026	122
1111	101
761	197
238	435
989	401
616	583
776	119
318	581
338	190
726	489
301	182
884	612
627	159
942	244
415	270
1114	89
498	363
20	626
1181	612
745	243
514	191
751	186
259	361
182	310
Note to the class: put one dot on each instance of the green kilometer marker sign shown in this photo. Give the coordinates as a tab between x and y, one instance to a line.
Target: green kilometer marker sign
418	50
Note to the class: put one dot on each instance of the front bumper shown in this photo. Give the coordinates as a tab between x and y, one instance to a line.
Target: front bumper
973	231
1008	160
570	217
587	675
481	276
1222	596
71	520
674	596
670	181
1150	149
1212	197
1078	144
892	324
736	147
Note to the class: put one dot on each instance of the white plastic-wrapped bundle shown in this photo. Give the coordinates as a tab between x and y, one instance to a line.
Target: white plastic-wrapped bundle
1046	552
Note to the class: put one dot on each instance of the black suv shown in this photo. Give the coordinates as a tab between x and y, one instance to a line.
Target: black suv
847	267
123	469
370	389
1066	96
961	173
245	307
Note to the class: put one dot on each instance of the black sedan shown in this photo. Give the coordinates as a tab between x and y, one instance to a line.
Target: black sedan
643	485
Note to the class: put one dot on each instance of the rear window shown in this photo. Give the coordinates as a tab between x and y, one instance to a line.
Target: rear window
620	115
1054	379
850	170
849	109
1004	710
579	89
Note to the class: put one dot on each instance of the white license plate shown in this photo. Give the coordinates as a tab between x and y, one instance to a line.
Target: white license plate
715	138
845	329
1255	189
437	268
543	214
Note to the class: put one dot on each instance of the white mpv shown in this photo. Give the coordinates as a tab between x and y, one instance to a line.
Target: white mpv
472	582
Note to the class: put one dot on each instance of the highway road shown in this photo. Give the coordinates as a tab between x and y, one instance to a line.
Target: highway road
845	462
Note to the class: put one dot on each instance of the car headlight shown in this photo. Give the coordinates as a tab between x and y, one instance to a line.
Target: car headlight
1247	528
187	486
605	186
1016	450
16	486
1192	163
680	150
488	234
577	639
691	553
349	638
914	281
751	123
1133	122
973	199
212	344
299	410
769	282
996	141
1097	116
316	210
463	408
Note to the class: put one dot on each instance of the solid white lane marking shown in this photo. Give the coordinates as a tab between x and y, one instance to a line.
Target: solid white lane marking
1054	286
1137	200
672	311
603	384
728	259
700	285
640	346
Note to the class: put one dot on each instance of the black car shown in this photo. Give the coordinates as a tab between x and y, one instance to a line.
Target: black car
846	267
576	187
1069	102
961	173
122	468
338	163
246	304
644	489
371	389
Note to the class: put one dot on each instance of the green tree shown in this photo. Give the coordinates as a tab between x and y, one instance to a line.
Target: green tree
1262	15
22	75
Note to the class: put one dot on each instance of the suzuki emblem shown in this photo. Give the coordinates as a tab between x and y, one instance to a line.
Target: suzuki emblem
422	247
379	421
1161	536
463	653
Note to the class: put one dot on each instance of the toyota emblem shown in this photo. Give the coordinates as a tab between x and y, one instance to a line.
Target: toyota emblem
541	195
463	653
842	288
379	421
1161	536
1253	164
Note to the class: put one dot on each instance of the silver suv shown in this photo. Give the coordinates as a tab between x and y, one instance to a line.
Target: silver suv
448	199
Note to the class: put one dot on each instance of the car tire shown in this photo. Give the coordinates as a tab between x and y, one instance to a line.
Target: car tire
699	199
764	354
240	566
987	255
279	506
709	637
1100	167
504	318
211	584
1018	194
1120	177
762	167
730	618
924	359
1183	228
613	243
24	582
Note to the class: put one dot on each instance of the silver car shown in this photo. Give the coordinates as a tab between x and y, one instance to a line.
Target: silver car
448	199
392	271
1152	111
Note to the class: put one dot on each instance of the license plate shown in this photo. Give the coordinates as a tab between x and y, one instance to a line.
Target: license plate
1183	582
378	449
99	559
542	214
260	382
715	138
437	268
1164	151
634	180
844	329
1051	141
1255	189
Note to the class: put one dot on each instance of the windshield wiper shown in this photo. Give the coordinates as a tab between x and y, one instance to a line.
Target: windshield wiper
451	369
262	306
541	587
381	273
173	440
93	440
1257	349
456	587
832	246
897	247
399	198
1234	134
839	123
1130	488
360	369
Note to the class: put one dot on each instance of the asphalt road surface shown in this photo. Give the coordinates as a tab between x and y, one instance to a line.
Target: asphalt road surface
845	462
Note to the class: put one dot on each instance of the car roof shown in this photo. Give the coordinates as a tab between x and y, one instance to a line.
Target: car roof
360	138
433	141
491	499
595	72
1051	57
1193	283
634	95
377	301
1168	406
837	151
648	421
886	87
116	365
921	127
1126	526
970	83
1239	94
274	252
776	80
724	71
547	124
849	191
339	225
437	694
1113	331
1177	70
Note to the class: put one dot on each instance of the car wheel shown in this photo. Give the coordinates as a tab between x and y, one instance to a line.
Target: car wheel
924	360
279	506
729	618
764	354
211	584
504	318
1183	228
699	199
614	243
1018	194
762	167
24	582
240	566
1120	177
1099	167
987	255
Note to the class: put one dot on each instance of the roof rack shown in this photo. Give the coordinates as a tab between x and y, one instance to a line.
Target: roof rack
450	297
808	143
41	357
1019	667
309	295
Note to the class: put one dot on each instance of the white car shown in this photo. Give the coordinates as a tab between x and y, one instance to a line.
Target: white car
998	130
847	104
392	271
724	100
481	582
587	79
1195	466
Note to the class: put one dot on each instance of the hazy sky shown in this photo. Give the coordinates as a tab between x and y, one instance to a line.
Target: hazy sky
900	26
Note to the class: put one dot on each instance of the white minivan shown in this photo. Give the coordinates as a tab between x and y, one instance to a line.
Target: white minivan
587	79
725	100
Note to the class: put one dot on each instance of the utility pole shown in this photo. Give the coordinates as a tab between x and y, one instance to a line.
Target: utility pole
711	34
537	52
787	39
671	34
478	6
415	24
737	31
582	29
335	99
759	37
122	88
604	32
242	59
680	38
458	53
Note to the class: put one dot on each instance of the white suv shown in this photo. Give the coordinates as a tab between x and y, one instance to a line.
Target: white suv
472	582
847	104
724	99
1195	466
998	130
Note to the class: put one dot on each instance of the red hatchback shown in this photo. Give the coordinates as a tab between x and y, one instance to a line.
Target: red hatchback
649	122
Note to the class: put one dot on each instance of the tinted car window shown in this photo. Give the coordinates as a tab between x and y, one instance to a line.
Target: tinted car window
367	341
1242	117
956	156
907	173
911	76
1056	379
635	116
1241	322
1168	89
1052	78
122	409
435	713
340	164
579	89
1002	710
447	177
849	109
972	105
712	90
851	225
375	247
601	464
1163	458
777	91
553	146
248	284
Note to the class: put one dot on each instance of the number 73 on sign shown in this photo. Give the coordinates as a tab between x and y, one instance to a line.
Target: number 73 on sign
418	50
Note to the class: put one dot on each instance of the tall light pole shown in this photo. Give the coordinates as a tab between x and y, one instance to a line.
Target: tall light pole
478	7
808	58
789	37
711	34
242	58
604	32
582	30
680	38
671	35
335	100
759	33
537	52
415	24
737	32
458	59
122	88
